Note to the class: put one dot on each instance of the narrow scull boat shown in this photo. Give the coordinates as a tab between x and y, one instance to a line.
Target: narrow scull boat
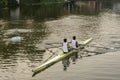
59	57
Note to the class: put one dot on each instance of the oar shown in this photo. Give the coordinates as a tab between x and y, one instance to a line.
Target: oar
112	48
47	48
53	53
53	47
42	50
51	43
93	52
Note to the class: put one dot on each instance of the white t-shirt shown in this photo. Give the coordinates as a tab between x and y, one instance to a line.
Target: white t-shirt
73	43
65	47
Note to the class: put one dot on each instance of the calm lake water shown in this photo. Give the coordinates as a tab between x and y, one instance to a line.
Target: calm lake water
41	24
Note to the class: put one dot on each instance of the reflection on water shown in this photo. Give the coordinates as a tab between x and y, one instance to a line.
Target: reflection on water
41	24
116	7
15	14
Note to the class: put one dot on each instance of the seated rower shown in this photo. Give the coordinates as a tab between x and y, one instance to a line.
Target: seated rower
74	45
65	47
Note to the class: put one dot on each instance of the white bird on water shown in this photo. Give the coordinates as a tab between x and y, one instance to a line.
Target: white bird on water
14	40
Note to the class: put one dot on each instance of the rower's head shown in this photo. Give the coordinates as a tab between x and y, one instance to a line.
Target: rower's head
65	40
74	37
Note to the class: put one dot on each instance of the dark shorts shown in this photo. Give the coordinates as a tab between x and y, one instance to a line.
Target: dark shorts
65	52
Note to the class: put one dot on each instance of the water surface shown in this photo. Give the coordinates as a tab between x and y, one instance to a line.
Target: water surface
41	24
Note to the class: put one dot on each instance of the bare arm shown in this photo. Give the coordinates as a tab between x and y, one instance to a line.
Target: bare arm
76	44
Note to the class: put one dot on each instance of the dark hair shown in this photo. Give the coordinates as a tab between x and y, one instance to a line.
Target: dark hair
74	37
65	40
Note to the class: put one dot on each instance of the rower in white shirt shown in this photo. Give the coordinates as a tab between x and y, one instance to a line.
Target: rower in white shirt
65	47
74	45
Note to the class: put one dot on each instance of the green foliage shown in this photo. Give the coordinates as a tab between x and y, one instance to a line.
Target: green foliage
12	3
4	3
39	2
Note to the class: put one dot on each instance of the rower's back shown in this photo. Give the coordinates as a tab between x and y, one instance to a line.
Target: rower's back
65	46
74	42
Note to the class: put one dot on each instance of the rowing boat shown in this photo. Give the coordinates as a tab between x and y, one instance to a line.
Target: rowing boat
59	57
